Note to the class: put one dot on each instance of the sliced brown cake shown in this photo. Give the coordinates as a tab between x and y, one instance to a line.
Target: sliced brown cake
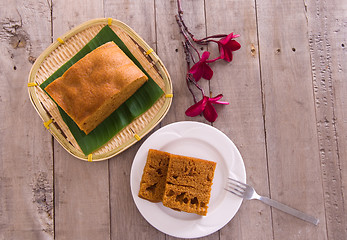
96	85
153	180
188	184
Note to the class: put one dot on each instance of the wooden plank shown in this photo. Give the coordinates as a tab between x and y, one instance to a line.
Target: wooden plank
81	197
170	50
327	39
126	220
81	188
139	15
242	120
26	161
291	135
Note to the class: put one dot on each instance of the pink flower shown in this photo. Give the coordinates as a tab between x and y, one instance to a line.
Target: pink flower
201	69
205	106
227	45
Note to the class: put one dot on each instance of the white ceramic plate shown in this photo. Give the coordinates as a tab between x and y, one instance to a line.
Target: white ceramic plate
199	140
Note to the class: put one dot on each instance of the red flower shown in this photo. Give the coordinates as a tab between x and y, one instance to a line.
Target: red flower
201	68
227	45
205	106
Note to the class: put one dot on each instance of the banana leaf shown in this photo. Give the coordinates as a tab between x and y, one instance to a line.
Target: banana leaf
136	105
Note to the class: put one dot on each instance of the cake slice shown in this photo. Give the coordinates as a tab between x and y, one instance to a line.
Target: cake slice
188	184
95	86
153	180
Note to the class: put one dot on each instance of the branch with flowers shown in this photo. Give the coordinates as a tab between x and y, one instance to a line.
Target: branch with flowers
201	69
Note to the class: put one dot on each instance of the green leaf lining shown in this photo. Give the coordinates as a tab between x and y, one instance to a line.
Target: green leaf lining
136	105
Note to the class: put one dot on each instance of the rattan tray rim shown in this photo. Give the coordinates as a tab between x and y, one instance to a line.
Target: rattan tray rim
45	116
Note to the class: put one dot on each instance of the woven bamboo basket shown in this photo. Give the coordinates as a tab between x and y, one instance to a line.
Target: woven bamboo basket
62	50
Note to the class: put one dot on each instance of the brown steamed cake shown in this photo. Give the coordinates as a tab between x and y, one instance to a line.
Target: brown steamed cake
153	180
95	86
184	183
188	184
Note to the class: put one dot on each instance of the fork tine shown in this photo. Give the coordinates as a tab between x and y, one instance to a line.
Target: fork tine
236	193
236	181
236	187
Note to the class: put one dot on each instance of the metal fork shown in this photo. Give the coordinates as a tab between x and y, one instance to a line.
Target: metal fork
247	192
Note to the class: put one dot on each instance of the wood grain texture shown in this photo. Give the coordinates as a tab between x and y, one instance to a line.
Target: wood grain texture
126	221
289	105
26	163
170	50
242	120
81	188
140	16
287	116
81	197
327	38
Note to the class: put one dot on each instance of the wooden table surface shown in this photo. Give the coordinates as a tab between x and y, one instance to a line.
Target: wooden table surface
287	90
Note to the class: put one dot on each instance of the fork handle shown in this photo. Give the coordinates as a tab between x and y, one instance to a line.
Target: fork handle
289	210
